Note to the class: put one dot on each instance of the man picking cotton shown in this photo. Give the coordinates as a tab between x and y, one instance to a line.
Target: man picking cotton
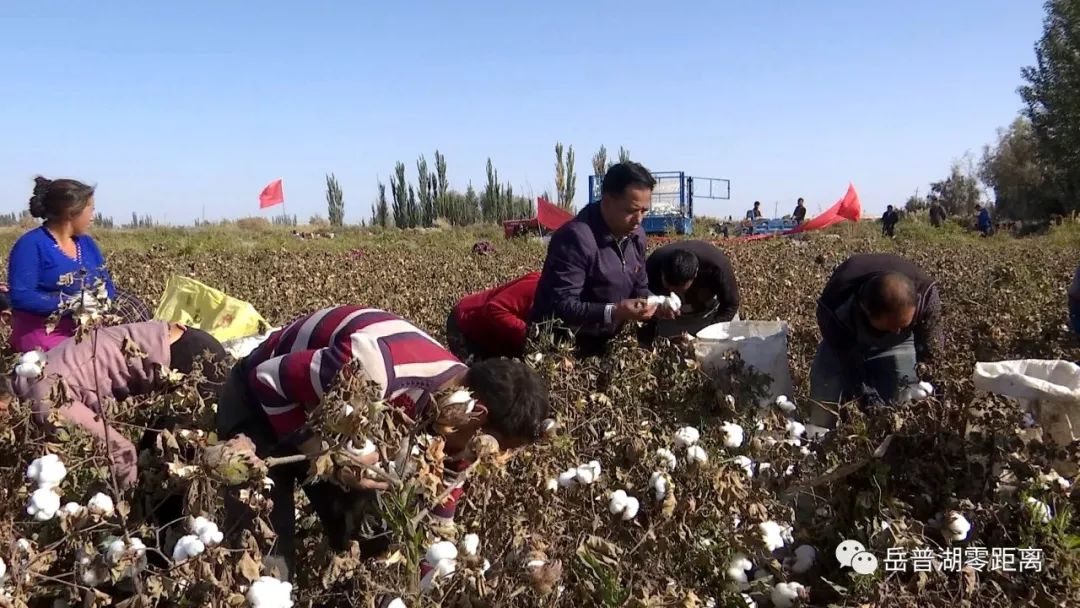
594	278
701	275
879	317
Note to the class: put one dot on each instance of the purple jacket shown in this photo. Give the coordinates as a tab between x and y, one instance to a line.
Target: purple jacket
586	269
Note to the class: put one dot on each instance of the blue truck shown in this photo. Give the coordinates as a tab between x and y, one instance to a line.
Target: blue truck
673	199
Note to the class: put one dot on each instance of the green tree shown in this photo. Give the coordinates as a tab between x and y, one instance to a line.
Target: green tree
380	213
599	162
1052	99
425	193
335	201
1014	171
915	204
565	178
489	202
442	202
399	190
624	155
413	214
958	193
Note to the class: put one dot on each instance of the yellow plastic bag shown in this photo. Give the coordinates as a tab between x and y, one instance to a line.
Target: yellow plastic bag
192	303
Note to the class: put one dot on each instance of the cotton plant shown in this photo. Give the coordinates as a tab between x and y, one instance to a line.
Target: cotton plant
805	555
745	464
659	483
686	436
442	558
732	433
269	592
44	504
31	365
1039	510
47	471
671	302
667	459
955	526
101	504
785	405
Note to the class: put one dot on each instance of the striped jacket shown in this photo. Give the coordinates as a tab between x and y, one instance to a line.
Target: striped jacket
290	371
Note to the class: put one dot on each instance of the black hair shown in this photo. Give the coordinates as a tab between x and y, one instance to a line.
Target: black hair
516	397
801	200
888	294
757	203
624	175
680	267
59	199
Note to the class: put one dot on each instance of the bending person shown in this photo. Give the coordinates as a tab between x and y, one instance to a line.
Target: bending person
492	323
269	394
879	316
702	276
88	368
53	264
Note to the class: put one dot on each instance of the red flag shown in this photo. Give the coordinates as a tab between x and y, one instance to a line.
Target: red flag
271	195
847	208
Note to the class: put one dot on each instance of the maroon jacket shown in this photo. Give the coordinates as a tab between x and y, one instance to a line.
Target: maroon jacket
838	327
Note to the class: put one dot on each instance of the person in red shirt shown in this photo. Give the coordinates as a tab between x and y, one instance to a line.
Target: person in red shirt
492	323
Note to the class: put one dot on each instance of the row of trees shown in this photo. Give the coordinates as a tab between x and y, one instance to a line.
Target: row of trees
1033	167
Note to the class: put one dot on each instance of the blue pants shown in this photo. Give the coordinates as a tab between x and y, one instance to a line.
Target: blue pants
886	369
1074	315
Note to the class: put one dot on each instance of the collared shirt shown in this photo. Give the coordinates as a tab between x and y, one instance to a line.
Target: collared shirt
588	270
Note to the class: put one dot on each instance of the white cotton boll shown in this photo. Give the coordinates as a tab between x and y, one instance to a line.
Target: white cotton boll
3	570
188	547
269	592
73	509
101	504
631	510
956	526
770	441
91	577
440	551
1028	421
43	504
551	485
442	570
536	357
784	595
772	534
396	603
786	405
347	410
749	601
733	434
695	454
655	300
35	357
729	400
470	544
686	436
617	502
568	478
804	559
736	571
745	464
28	371
659	484
759	426
795	429
1053	478
367	449
47	471
588	473
674	302
1040	511
207	531
927	388
114	550
534	563
667	458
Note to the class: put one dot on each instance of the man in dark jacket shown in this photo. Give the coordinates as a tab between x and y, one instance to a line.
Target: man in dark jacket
937	214
889	222
701	275
879	316
800	212
594	279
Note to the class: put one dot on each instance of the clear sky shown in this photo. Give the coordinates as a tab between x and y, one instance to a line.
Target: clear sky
174	107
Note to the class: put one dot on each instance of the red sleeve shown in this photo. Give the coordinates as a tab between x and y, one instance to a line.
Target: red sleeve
507	310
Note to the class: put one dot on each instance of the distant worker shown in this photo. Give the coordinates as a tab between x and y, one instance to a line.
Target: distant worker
492	323
879	316
889	222
937	214
800	212
594	279
984	222
755	213
702	276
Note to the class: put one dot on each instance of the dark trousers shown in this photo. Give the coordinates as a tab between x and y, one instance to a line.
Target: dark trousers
342	513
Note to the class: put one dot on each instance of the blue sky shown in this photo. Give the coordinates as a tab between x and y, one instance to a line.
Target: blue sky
171	108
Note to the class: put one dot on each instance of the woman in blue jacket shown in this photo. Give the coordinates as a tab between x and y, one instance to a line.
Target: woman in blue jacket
53	264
